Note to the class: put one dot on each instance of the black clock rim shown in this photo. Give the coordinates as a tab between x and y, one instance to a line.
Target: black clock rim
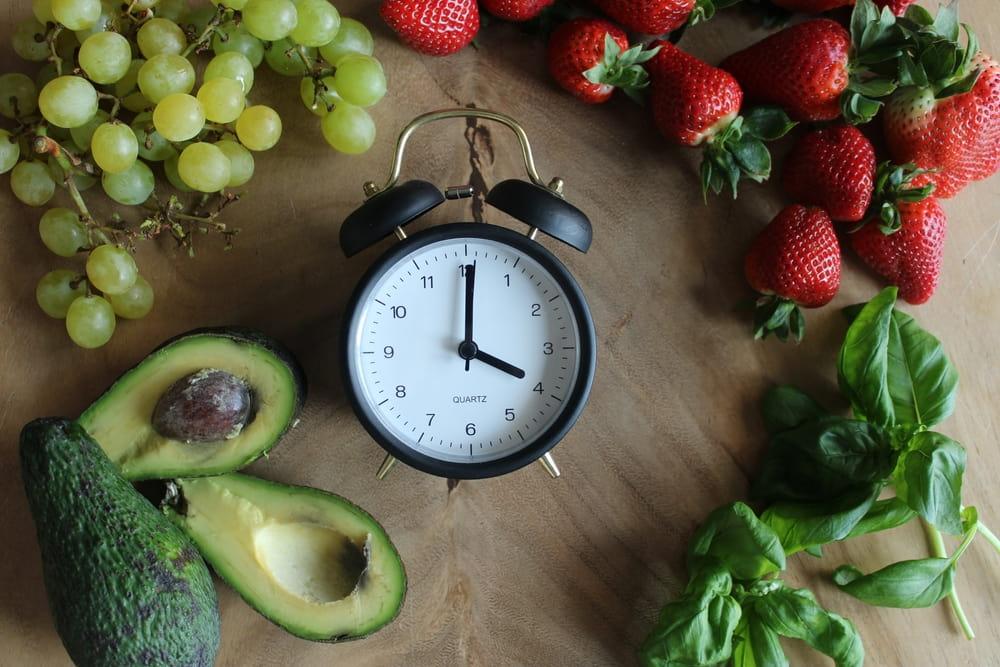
575	402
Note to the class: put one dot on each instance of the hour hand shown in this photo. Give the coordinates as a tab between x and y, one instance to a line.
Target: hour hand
499	364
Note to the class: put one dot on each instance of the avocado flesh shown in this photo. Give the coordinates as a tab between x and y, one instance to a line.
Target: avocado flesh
121	420
125	586
307	560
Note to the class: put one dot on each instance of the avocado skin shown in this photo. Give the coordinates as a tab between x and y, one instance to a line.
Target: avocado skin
125	586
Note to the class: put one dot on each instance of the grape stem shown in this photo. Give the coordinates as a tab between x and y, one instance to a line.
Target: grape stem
50	39
115	107
205	37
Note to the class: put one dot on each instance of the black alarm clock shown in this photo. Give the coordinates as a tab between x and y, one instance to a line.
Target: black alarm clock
468	349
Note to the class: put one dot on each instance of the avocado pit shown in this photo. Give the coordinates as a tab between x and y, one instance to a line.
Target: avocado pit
208	405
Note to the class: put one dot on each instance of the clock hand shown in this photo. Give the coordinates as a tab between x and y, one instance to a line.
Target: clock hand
470	289
498	364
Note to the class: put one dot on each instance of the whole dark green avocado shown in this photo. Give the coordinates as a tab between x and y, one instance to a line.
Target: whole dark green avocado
126	587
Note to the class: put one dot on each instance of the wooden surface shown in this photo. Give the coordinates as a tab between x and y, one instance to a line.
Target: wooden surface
522	569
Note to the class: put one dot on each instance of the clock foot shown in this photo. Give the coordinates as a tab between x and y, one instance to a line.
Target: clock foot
549	464
386	466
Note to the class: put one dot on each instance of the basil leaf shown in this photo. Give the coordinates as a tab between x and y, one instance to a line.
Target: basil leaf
929	479
785	407
821	459
800	526
757	645
883	515
922	381
863	365
734	537
905	585
795	613
697	628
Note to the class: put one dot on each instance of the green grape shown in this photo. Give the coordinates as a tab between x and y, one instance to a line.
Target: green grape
108	20
134	303
114	147
231	65
18	95
158	36
137	102
45	74
231	38
166	74
173	175
29	41
281	56
349	129
82	135
105	57
360	80
179	117
145	4
197	19
32	183
68	101
82	181
42	9
238	5
10	151
90	321
321	103
270	20
241	162
111	269
152	146
76	14
259	128
222	99
130	82
131	187
204	167
57	290
318	22
172	10
62	232
353	37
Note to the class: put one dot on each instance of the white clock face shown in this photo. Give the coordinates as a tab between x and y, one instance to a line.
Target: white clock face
405	350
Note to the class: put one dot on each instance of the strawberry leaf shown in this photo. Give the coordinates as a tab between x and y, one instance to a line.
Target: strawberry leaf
779	316
961	86
622	69
919	16
767	123
910	73
857	108
753	159
946	22
874	87
704	10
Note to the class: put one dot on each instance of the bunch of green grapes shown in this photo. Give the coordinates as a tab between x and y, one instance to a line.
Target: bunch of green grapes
117	96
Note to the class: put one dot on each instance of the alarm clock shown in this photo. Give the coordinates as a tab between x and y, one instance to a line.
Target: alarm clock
468	349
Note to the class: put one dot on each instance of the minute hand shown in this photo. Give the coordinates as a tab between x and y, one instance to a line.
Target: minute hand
470	291
499	364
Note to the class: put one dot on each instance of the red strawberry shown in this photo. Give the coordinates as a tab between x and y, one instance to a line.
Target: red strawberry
897	7
958	135
591	57
811	70
834	168
794	261
910	257
434	27
695	103
516	10
653	17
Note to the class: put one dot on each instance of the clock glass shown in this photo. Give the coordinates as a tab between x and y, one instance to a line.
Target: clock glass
468	349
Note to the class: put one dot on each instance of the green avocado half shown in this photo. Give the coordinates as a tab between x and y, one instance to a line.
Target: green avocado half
121	420
309	561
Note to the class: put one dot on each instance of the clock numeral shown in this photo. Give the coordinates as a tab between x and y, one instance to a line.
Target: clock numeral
547	348
398	312
388	352
430	418
538	388
470	429
536	310
506	277
400	391
509	414
428	281
461	270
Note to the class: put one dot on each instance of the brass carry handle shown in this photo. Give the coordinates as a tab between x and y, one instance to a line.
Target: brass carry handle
371	189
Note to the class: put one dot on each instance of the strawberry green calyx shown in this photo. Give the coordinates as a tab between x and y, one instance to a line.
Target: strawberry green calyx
893	186
934	57
704	10
622	69
779	316
877	44
738	151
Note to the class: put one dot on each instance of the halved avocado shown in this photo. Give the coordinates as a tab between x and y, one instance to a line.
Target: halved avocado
121	420
309	561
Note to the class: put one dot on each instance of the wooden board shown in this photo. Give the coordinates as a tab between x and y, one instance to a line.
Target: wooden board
523	569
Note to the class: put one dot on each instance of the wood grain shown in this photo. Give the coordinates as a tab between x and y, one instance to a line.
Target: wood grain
522	570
